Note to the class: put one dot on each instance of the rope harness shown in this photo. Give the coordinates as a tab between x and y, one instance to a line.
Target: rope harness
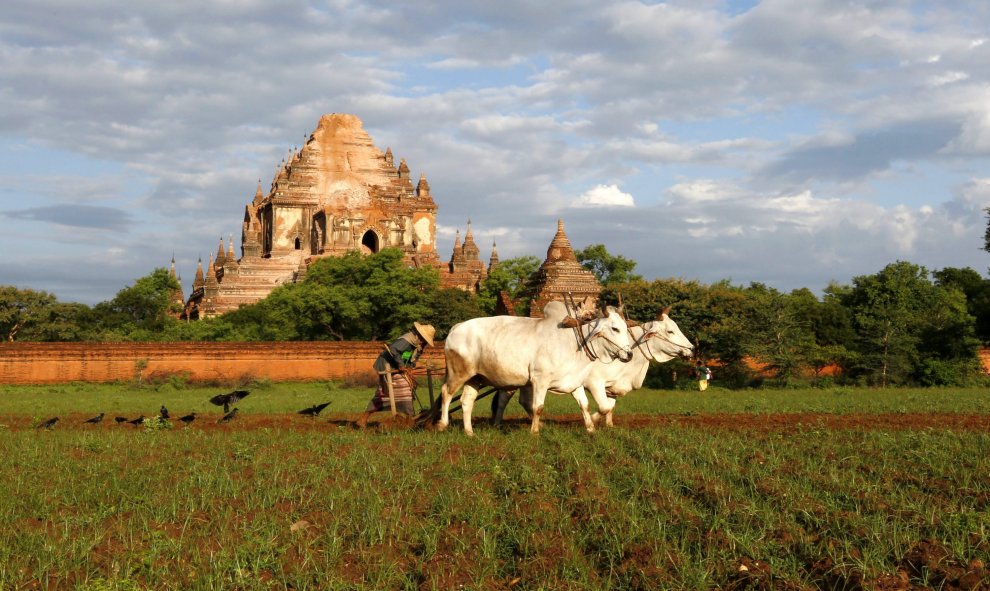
645	339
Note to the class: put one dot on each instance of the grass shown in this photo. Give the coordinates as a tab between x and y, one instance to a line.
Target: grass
289	397
662	507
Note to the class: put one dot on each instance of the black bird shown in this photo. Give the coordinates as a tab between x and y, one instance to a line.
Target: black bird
137	421
163	412
314	410
120	419
188	418
49	424
228	417
225	400
97	419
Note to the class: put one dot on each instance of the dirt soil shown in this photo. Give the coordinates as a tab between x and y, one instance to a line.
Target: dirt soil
783	422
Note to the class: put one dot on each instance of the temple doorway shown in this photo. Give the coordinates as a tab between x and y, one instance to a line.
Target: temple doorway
370	243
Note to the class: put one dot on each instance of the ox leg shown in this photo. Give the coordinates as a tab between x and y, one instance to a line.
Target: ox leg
468	394
539	398
526	400
604	403
447	391
499	401
582	400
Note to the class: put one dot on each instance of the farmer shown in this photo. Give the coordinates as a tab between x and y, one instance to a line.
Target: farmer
391	364
704	374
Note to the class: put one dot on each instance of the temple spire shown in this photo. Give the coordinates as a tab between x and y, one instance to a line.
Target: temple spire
211	275
471	250
493	260
560	247
220	254
198	282
423	187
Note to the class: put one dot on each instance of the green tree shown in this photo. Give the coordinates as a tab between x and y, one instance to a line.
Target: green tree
355	296
779	335
511	276
24	310
447	307
904	321
608	268
977	292
139	312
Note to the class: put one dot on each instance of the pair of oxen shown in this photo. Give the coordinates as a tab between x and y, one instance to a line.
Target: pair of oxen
559	352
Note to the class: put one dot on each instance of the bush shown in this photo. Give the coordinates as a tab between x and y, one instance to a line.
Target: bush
955	372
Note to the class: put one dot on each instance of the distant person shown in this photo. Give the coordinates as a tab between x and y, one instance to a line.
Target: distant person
402	354
704	374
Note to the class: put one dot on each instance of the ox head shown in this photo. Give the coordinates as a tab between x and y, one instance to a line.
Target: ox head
664	340
608	336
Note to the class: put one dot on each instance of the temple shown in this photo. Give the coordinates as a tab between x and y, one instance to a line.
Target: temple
335	194
561	276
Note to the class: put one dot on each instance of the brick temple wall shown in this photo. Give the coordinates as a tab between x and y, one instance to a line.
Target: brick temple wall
51	363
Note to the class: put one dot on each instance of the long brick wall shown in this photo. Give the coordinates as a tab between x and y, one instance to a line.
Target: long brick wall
49	363
52	363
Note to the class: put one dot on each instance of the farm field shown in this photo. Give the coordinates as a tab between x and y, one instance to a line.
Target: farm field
795	489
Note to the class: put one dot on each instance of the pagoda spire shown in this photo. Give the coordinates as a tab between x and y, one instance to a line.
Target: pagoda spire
211	275
220	254
493	260
230	248
560	247
423	187
471	250
171	271
198	282
258	195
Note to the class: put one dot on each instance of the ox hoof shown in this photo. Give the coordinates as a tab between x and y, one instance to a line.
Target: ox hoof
441	426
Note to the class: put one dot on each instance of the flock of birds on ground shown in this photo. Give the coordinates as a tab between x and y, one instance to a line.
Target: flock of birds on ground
224	400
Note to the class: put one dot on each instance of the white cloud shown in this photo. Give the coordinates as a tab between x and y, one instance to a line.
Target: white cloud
605	196
701	191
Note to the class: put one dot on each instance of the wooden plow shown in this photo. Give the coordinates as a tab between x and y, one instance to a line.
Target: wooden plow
429	414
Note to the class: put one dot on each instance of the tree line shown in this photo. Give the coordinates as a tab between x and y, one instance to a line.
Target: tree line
902	325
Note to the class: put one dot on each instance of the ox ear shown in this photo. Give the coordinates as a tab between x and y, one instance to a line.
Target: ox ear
632	323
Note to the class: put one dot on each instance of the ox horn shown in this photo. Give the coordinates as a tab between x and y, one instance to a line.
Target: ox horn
664	312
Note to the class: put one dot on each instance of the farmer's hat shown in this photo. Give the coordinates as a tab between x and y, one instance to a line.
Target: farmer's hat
426	331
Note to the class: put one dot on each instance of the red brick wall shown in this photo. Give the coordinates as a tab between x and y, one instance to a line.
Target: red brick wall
47	363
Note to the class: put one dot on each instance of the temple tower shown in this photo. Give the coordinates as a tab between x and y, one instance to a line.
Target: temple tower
561	274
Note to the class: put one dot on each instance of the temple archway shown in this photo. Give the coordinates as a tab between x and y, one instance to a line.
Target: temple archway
370	243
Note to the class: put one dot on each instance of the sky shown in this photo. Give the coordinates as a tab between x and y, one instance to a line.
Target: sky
793	143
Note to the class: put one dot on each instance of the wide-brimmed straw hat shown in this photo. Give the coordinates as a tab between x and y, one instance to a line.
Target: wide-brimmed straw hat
426	331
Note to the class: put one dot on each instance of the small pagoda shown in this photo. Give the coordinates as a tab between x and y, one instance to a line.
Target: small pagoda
561	276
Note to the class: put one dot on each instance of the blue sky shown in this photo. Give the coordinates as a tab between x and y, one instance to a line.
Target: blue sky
790	142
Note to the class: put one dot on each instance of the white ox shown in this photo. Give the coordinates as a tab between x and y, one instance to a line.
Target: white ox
660	340
509	352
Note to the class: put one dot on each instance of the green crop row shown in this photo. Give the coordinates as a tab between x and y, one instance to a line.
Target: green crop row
290	397
676	507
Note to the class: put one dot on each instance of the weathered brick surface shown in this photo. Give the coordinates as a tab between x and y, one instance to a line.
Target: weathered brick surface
48	363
